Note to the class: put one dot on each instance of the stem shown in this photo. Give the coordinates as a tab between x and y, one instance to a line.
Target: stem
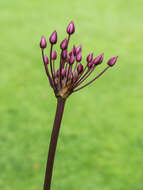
68	40
93	79
85	76
53	143
81	77
47	71
68	74
61	62
51	66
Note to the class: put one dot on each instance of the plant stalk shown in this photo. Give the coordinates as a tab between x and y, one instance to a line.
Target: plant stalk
53	143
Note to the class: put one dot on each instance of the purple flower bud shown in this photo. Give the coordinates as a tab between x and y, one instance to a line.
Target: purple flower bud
46	60
54	55
64	54
63	73
71	28
71	60
70	76
111	62
43	42
98	60
75	75
53	38
68	57
78	57
80	68
89	57
90	64
78	49
64	44
70	53
74	50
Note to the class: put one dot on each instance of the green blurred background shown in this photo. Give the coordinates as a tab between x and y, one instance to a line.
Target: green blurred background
101	139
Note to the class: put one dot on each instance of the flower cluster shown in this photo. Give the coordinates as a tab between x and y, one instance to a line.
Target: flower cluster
71	72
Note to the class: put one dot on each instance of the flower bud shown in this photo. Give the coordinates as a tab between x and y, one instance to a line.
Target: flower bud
43	42
90	64
71	28
98	60
78	49
63	73
111	62
89	57
64	44
71	60
64	54
46	60
53	38
68	57
75	75
80	68
74	50
70	76
70	53
54	55
78	57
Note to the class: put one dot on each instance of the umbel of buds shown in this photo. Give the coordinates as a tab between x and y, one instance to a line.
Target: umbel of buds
66	78
64	86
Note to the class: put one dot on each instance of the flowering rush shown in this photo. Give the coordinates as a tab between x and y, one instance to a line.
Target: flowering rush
65	80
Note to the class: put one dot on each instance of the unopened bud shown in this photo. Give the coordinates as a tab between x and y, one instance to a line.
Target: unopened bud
54	55
80	68
98	60
71	60
43	42
74	50
70	76
111	62
64	54
90	64
78	49
78	57
89	57
53	38
64	44
75	75
46	60
63	73
70	53
71	28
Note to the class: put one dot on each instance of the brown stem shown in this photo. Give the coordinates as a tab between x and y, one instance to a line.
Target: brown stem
85	76
53	143
93	79
51	66
47	71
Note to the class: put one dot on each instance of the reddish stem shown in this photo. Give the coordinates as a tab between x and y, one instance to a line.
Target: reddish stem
87	74
51	66
92	80
53	143
47	71
61	62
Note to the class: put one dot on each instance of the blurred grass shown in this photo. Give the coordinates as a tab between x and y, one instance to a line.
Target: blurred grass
101	139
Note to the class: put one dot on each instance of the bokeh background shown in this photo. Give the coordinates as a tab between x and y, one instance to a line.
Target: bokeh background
101	139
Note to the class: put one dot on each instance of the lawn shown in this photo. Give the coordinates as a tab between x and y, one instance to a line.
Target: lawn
101	138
